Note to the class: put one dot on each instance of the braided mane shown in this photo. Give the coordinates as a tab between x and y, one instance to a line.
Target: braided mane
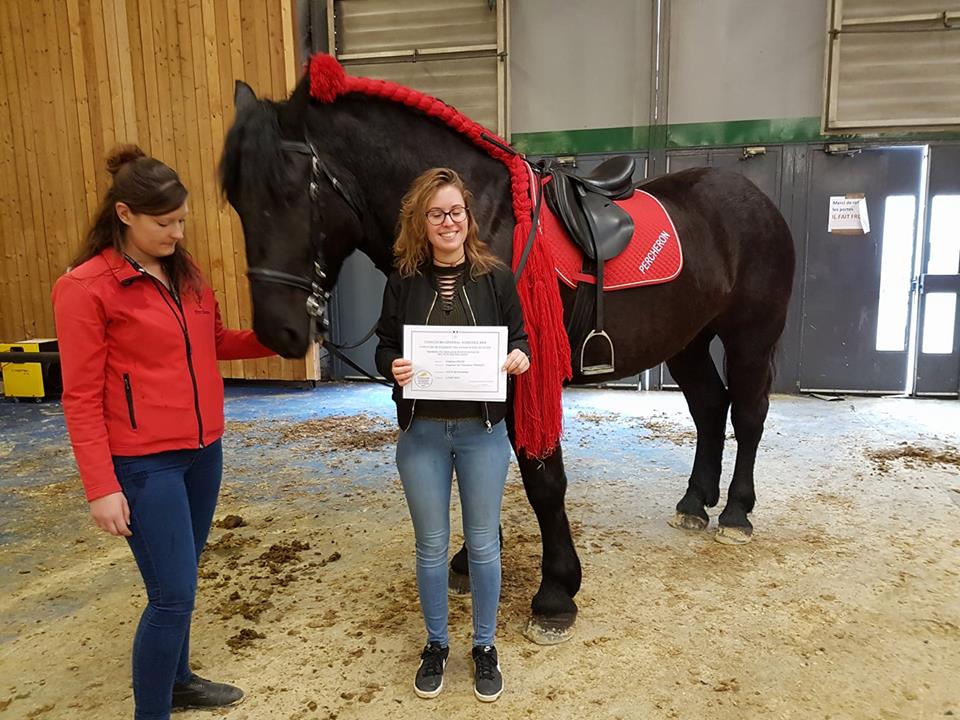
538	411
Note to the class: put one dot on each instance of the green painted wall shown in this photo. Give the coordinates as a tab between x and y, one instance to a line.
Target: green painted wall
694	135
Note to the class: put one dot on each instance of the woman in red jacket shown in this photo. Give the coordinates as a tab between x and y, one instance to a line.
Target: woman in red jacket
140	335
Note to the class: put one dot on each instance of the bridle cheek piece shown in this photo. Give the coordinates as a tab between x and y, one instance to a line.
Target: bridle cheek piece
317	296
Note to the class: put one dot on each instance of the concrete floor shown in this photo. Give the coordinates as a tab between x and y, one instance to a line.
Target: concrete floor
839	512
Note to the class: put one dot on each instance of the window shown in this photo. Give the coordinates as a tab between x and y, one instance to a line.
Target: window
454	50
892	64
940	310
896	271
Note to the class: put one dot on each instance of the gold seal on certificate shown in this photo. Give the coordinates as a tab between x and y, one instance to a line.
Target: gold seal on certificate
456	362
423	379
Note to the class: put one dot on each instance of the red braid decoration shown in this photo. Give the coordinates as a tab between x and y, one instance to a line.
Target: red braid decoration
538	411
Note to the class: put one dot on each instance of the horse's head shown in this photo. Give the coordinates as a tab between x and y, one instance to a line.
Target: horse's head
299	222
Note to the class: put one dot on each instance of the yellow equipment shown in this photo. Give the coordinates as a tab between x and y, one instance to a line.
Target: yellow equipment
31	379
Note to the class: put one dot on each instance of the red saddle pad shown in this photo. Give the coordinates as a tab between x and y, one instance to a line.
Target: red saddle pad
653	255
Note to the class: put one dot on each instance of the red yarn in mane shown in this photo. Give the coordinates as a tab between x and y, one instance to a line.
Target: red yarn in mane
327	78
537	404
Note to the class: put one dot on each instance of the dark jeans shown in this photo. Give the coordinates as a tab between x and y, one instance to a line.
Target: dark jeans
172	497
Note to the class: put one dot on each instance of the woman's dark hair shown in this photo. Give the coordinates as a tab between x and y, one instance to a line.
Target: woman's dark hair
146	186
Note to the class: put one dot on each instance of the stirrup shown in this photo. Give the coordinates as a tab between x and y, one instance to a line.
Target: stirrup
601	369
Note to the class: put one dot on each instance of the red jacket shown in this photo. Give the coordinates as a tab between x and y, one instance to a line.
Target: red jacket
140	373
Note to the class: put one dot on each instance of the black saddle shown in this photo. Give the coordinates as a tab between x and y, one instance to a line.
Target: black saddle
584	204
613	177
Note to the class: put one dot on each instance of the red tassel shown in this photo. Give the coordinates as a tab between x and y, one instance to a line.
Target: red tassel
538	407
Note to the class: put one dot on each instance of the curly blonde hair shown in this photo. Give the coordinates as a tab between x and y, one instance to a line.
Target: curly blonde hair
412	247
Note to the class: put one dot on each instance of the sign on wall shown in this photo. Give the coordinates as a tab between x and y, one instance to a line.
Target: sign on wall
848	215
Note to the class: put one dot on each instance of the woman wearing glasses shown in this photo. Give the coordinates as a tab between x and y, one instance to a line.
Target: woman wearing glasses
445	275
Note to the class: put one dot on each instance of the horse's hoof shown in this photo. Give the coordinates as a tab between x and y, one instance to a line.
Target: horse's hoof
458	583
550	631
734	535
683	521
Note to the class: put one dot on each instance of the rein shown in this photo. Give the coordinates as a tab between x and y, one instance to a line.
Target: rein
536	174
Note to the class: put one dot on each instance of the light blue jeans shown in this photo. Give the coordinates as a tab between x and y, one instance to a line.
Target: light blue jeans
427	455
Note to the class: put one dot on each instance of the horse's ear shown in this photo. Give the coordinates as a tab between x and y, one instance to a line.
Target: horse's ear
243	96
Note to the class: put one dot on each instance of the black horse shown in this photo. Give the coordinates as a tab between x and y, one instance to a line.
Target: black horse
314	181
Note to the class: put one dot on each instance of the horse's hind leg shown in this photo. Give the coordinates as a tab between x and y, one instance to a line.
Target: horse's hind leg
553	608
749	374
708	401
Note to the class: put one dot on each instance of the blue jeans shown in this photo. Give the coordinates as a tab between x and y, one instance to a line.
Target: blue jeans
427	455
172	497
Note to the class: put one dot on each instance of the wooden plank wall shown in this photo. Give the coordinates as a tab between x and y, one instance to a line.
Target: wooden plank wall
79	76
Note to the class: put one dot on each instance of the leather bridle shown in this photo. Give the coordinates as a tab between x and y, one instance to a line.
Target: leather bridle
317	295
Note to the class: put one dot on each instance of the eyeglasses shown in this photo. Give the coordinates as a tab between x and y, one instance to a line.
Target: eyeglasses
436	216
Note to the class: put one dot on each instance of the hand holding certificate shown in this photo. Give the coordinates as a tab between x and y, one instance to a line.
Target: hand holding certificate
456	362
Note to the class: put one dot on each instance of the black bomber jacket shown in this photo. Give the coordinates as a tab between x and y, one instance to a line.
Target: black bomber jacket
491	299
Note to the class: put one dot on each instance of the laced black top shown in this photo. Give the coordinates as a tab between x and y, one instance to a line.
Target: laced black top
447	281
450	309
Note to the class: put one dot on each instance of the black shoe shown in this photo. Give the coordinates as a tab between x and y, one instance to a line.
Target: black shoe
199	694
487	680
429	681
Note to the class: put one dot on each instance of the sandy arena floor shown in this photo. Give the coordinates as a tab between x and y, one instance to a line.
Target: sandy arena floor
845	605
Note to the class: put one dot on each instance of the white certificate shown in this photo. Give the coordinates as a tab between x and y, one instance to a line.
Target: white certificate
456	362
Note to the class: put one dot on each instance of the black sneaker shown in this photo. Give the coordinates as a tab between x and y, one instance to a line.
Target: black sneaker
429	681
487	680
200	694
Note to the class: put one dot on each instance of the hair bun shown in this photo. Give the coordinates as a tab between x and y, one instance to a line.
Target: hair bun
121	155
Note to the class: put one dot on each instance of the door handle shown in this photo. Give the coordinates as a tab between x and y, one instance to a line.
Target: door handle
939	283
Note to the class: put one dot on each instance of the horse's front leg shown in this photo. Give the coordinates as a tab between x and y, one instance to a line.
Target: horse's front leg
553	608
553	611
